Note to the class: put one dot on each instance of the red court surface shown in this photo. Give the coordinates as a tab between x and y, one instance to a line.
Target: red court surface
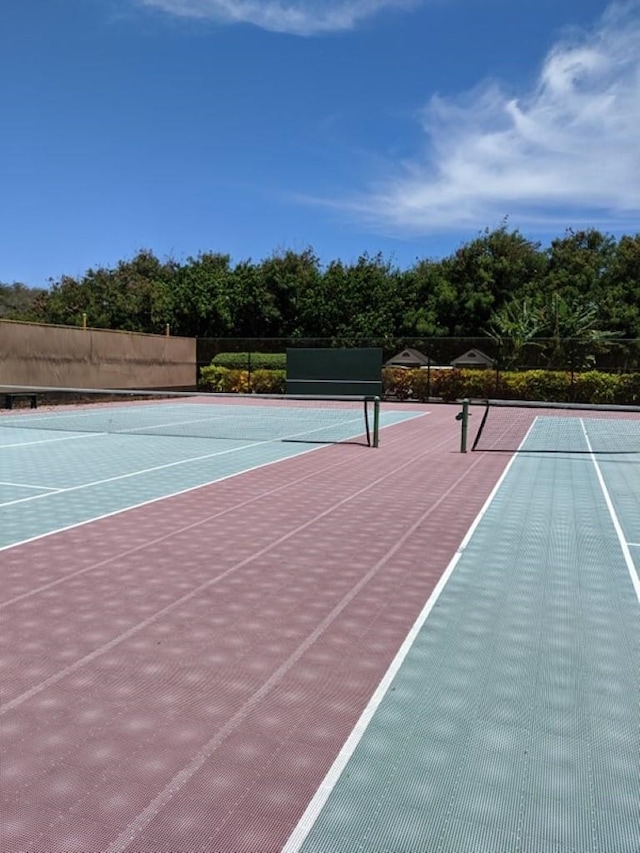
180	677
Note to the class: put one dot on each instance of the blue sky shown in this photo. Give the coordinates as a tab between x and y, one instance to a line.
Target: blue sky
252	126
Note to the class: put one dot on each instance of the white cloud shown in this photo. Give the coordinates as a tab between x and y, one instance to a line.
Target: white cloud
298	17
570	148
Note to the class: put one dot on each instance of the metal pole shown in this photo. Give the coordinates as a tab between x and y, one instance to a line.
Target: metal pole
376	421
463	417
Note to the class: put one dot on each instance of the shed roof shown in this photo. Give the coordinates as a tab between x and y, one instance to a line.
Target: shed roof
473	356
408	357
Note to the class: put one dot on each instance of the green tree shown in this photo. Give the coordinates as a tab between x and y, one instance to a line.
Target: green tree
488	272
579	264
17	301
429	300
286	277
132	297
620	298
199	297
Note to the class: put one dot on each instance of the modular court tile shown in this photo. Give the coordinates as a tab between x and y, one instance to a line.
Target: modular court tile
514	722
181	676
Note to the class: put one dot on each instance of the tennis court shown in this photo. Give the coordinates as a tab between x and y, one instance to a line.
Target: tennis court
292	641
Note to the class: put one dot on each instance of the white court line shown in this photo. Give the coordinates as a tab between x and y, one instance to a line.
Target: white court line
181	461
635	580
137	473
49	440
191	526
312	812
633	544
139	824
29	486
56	677
160	497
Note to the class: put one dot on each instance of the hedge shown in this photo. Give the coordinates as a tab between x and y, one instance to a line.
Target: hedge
253	360
224	380
449	385
543	385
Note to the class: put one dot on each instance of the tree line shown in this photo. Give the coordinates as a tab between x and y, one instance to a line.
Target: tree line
499	284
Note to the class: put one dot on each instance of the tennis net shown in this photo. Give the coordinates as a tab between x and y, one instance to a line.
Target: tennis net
536	427
246	417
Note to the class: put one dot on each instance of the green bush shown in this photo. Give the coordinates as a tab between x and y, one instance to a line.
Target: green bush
628	389
227	381
269	381
253	360
224	380
450	384
544	385
397	382
552	386
595	387
547	386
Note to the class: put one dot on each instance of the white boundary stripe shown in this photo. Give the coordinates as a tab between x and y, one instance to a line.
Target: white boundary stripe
29	486
18	700
49	440
139	472
154	500
635	580
114	512
312	812
127	838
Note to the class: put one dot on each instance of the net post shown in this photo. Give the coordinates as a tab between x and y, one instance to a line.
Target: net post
463	417
376	421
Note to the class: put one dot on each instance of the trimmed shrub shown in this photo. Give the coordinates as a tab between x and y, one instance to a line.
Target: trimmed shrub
397	382
628	389
253	360
269	381
225	381
547	386
449	384
595	387
544	385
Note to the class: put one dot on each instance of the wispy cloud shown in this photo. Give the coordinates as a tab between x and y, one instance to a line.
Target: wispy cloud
566	152
298	17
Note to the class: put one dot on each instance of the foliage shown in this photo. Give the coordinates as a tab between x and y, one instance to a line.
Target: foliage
253	360
513	327
269	381
233	381
596	387
585	286
458	384
17	301
554	386
223	379
398	382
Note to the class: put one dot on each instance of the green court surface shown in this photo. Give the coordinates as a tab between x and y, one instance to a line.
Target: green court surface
510	720
70	465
